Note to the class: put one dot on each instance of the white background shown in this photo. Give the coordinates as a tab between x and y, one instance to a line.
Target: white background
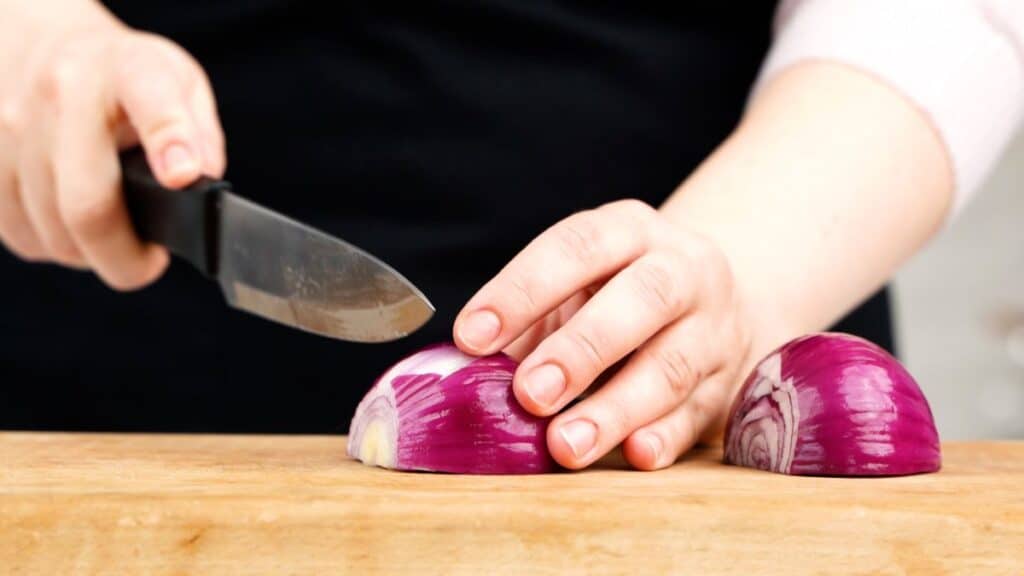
960	312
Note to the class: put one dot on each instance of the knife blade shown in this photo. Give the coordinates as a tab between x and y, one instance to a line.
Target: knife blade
270	265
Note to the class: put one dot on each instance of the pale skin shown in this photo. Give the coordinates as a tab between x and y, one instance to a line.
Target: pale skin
829	183
77	85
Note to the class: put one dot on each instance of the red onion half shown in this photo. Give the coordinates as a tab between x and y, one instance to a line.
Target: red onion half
441	410
832	404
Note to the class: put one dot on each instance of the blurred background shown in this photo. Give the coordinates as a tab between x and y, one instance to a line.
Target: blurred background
960	312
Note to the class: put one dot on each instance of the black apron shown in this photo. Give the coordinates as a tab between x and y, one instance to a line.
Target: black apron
440	136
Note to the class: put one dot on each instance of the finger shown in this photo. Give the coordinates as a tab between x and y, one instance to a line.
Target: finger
527	342
15	229
654	289
662	442
563	260
38	196
211	135
521	347
656	379
155	97
88	190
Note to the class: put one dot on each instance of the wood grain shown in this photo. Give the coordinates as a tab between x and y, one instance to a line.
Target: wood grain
166	504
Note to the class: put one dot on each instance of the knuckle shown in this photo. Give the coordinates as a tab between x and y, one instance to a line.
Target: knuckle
676	370
635	215
155	108
590	346
67	74
706	252
62	78
153	82
635	209
619	418
524	294
163	128
142	48
718	278
11	116
699	248
132	61
581	238
656	284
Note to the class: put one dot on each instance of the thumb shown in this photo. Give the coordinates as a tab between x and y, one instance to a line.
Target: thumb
156	83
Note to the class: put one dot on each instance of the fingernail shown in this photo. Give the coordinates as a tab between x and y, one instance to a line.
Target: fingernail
545	384
179	159
580	435
655	445
480	329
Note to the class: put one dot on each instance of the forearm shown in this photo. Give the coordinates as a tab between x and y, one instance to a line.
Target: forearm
831	181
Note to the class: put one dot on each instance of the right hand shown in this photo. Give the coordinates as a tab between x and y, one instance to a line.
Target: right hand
68	104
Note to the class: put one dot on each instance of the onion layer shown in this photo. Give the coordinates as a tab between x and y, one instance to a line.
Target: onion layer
444	411
832	404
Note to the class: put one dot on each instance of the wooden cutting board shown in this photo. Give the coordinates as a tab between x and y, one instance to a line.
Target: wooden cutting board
165	504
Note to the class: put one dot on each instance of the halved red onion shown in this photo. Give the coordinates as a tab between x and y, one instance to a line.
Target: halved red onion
832	404
442	410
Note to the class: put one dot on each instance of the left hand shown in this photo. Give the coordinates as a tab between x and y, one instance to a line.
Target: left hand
600	286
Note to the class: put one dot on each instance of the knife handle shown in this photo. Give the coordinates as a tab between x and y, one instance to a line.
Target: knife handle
184	221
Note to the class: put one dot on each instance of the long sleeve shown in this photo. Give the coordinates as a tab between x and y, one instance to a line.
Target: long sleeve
961	62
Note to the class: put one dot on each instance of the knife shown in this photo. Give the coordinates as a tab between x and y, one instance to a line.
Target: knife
270	265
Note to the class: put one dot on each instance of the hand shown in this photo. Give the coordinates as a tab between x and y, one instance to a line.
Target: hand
75	96
619	282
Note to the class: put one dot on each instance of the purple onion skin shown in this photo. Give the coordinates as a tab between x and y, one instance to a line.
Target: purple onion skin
832	404
445	411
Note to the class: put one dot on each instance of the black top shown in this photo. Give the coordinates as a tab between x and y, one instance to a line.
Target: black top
440	136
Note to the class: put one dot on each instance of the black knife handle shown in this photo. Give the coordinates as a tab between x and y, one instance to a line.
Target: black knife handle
185	221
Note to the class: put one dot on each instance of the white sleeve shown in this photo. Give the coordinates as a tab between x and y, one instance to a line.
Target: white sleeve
960	61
